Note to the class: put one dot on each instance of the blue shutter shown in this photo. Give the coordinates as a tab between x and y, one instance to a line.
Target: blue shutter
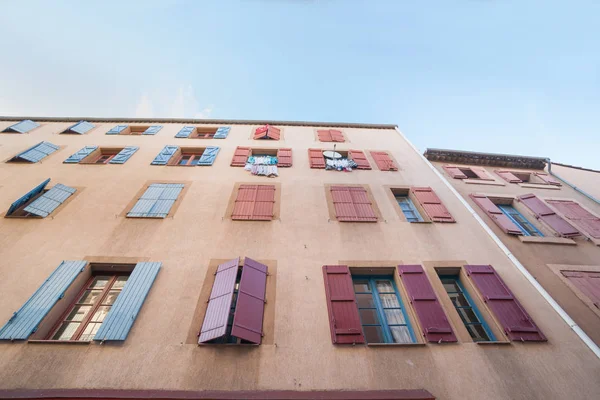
81	127
28	196
116	130
209	155
222	132
153	130
49	201
125	309
165	155
157	200
186	131
124	155
37	152
81	154
25	321
22	127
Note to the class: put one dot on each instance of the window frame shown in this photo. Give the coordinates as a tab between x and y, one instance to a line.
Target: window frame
411	205
519	224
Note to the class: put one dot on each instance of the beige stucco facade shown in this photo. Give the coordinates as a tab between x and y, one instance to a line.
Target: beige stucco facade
587	180
160	352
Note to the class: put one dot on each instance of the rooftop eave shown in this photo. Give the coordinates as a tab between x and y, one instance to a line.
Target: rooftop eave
485	159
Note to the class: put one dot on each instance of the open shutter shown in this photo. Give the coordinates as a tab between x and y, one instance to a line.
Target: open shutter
433	321
274	133
360	159
344	320
384	161
352	204
165	155
454	172
219	302
545	213
587	282
324	135
81	154
116	130
517	324
222	132
22	127
316	159
185	132
482	173
81	127
209	155
157	200
128	304
250	304
254	202
240	157
124	155
27	196
508	176
284	157
26	320
49	201
153	130
549	179
496	214
582	217
261	132
38	152
336	136
432	204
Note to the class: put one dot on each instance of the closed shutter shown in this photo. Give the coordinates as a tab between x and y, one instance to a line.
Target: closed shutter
254	202
336	136
27	196
496	214
324	135
547	178
284	157
26	320
360	159
517	324
344	320
128	304
214	325
384	161
209	155
352	204
37	152
316	159
433	321
153	130
454	172
222	132
482	173
49	201
185	132
587	282
240	157
81	127
165	155
582	217
274	133
157	200
432	204
116	130
545	213
22	127
250	304
508	176
81	154
124	155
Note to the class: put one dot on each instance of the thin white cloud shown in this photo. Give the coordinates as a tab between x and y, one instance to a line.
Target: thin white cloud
183	104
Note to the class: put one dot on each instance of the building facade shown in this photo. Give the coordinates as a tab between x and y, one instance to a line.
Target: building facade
246	259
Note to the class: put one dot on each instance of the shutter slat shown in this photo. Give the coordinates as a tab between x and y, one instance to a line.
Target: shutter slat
81	154
185	132
152	130
250	305
284	157
432	204
582	217
22	127
545	213
124	155
316	158
38	152
496	214
240	156
454	172
359	158
49	201
508	176
209	155
27	196
165	155
384	161
222	132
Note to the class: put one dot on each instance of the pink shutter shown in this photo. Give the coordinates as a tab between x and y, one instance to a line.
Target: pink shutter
360	159
582	217
316	159
362	204
547	178
219	302
261	132
264	204
496	214
352	204
454	172
240	157
284	157
274	133
250	305
432	204
482	173
384	161
517	324
508	176
433	321
324	135
336	136
344	320
587	282
545	213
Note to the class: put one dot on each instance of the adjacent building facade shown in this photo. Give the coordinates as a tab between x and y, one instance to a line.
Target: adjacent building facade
257	259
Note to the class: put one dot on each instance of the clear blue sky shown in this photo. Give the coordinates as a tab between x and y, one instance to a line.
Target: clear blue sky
519	77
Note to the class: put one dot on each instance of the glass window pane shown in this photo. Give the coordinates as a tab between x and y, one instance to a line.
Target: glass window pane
369	316
389	301
467	315
400	334
394	316
120	282
111	297
477	333
90	296
90	331
99	282
100	314
78	313
384	286
458	300
361	285
373	334
365	301
66	331
450	285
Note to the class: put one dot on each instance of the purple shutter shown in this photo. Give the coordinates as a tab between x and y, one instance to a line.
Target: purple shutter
434	324
219	303
587	282
545	213
344	320
495	214
250	306
517	324
573	211
547	178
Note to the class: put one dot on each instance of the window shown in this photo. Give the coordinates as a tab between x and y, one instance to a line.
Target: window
408	208
338	160
384	161
548	216
573	211
352	204
101	155
457	172
505	215
79	128
381	311
587	282
525	226
247	157
469	314
104	158
539	178
267	132
36	153
254	203
330	135
22	127
189	159
134	130
203	132
157	201
40	202
187	156
431	203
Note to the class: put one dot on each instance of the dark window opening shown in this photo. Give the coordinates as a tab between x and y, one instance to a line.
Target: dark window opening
469	173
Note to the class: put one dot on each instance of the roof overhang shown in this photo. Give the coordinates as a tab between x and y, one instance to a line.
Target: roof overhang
475	158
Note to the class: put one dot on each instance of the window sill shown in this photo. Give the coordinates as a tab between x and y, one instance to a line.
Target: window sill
483	182
547	240
503	342
71	342
539	186
227	345
396	344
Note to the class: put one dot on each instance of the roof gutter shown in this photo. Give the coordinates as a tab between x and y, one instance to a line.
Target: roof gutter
589	196
578	331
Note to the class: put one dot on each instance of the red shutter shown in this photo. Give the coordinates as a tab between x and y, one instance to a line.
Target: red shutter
587	282
219	302
316	158
324	135
240	157
336	136
261	132
482	173
433	321
359	158
517	324
265	202
274	133
573	211
250	305
344	320
454	172
384	161
352	204
545	213
547	178
432	204
284	157
254	202
496	214
508	176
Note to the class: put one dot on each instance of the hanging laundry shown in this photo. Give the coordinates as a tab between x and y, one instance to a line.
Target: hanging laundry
265	170
340	164
262	160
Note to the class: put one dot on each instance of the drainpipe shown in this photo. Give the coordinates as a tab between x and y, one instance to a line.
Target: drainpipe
563	314
589	196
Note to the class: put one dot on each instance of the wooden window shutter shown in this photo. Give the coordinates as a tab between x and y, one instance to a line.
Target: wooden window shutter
273	133
545	214
352	204
219	302
344	320
254	202
336	136
384	161
316	158
582	217
261	132
433	320
432	204
517	324
508	176
250	305
284	157
240	157
547	178
360	159
496	214
588	283
482	173
324	135
454	172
